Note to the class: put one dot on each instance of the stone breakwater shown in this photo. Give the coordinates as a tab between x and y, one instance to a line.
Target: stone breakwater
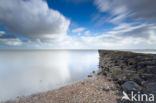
130	71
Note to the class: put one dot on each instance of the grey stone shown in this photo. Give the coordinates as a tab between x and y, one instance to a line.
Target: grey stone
138	80
151	69
146	76
93	72
151	87
154	57
116	70
131	86
147	63
144	84
90	76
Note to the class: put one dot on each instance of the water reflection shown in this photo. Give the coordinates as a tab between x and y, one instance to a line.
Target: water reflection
27	72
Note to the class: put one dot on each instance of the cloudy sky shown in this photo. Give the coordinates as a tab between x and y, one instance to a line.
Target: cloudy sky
77	24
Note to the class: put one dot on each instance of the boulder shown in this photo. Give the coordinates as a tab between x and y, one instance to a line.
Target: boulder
129	74
131	86
144	84
154	57
137	79
151	69
146	76
116	70
151	87
131	61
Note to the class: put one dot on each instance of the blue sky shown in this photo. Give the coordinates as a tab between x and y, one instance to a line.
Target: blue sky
77	24
81	14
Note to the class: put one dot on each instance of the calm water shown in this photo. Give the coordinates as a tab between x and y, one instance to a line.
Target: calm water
146	51
26	72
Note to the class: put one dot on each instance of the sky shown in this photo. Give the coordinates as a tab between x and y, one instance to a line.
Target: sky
77	24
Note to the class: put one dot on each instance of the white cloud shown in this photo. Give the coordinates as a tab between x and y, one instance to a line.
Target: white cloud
2	33
118	19
124	36
101	20
32	19
79	34
87	32
11	42
132	37
127	35
122	26
77	30
138	9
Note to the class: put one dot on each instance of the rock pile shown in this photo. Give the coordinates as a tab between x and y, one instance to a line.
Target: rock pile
131	71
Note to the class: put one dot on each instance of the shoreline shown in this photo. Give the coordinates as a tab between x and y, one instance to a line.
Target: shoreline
117	70
92	90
